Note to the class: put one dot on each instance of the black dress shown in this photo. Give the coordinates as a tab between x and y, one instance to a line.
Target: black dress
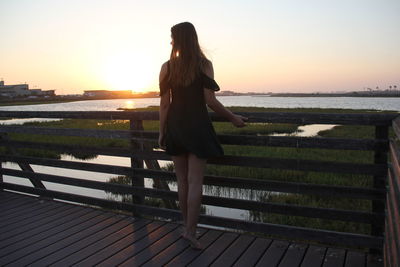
188	125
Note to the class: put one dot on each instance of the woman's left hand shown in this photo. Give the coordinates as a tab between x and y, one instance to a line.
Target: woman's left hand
239	121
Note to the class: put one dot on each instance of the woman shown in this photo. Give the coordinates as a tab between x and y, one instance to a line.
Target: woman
186	132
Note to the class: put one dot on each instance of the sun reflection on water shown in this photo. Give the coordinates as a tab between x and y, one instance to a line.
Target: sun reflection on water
129	104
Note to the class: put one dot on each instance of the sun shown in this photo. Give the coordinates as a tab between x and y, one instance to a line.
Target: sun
127	71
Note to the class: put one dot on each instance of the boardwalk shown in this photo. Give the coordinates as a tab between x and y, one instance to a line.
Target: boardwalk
43	232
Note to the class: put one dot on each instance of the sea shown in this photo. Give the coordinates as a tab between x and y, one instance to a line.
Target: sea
370	103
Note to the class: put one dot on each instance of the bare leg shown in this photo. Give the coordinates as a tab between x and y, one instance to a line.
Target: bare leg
195	192
181	170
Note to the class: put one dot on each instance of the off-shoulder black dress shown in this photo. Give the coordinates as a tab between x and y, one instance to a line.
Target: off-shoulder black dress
188	126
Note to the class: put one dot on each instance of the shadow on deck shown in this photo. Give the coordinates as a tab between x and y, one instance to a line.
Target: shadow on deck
39	232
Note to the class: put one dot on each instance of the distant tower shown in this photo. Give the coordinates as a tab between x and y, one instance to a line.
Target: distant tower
1	82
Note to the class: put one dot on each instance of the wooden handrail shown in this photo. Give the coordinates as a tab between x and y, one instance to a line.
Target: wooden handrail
273	117
392	224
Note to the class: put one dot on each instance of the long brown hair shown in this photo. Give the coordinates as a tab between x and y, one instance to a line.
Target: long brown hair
186	58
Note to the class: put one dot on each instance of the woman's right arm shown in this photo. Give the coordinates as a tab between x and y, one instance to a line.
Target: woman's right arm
216	106
164	107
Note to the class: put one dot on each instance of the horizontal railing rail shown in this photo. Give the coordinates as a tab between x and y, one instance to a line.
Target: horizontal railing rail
384	119
232	182
140	150
246	140
244	161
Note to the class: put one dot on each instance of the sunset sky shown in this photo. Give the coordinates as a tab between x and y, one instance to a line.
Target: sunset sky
259	46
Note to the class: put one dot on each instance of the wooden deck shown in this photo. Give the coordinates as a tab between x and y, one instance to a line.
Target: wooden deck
39	232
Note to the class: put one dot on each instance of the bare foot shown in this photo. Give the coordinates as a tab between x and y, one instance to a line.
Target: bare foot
194	243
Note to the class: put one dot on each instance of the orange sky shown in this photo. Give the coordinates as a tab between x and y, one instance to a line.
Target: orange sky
260	46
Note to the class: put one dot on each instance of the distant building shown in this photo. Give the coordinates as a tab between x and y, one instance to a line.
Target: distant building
22	90
107	94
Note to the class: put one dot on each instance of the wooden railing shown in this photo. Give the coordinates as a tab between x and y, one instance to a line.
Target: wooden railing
141	151
392	231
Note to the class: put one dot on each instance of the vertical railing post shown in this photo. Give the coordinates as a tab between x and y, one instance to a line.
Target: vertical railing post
380	157
1	176
137	180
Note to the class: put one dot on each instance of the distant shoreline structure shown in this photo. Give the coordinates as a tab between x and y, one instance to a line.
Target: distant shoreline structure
373	93
349	94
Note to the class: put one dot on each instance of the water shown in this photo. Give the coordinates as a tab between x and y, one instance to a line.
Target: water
373	103
114	104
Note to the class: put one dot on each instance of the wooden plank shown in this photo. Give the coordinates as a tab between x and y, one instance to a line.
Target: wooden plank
43	225
393	218
299	165
232	253
303	142
283	230
20	213
294	255
334	257
316	118
391	235
30	217
154	249
15	205
20	210
234	182
70	164
172	251
314	256
281	117
189	254
394	170
127	250
103	243
6	200
92	239
274	253
136	162
1	175
104	115
374	260
379	180
396	126
355	258
275	163
71	148
35	130
254	252
386	253
7	196
35	251
129	240
325	236
295	210
246	140
212	252
25	167
79	241
393	208
11	252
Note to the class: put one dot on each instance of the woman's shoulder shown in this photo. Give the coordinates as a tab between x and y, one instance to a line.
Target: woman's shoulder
207	68
165	65
205	63
164	70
